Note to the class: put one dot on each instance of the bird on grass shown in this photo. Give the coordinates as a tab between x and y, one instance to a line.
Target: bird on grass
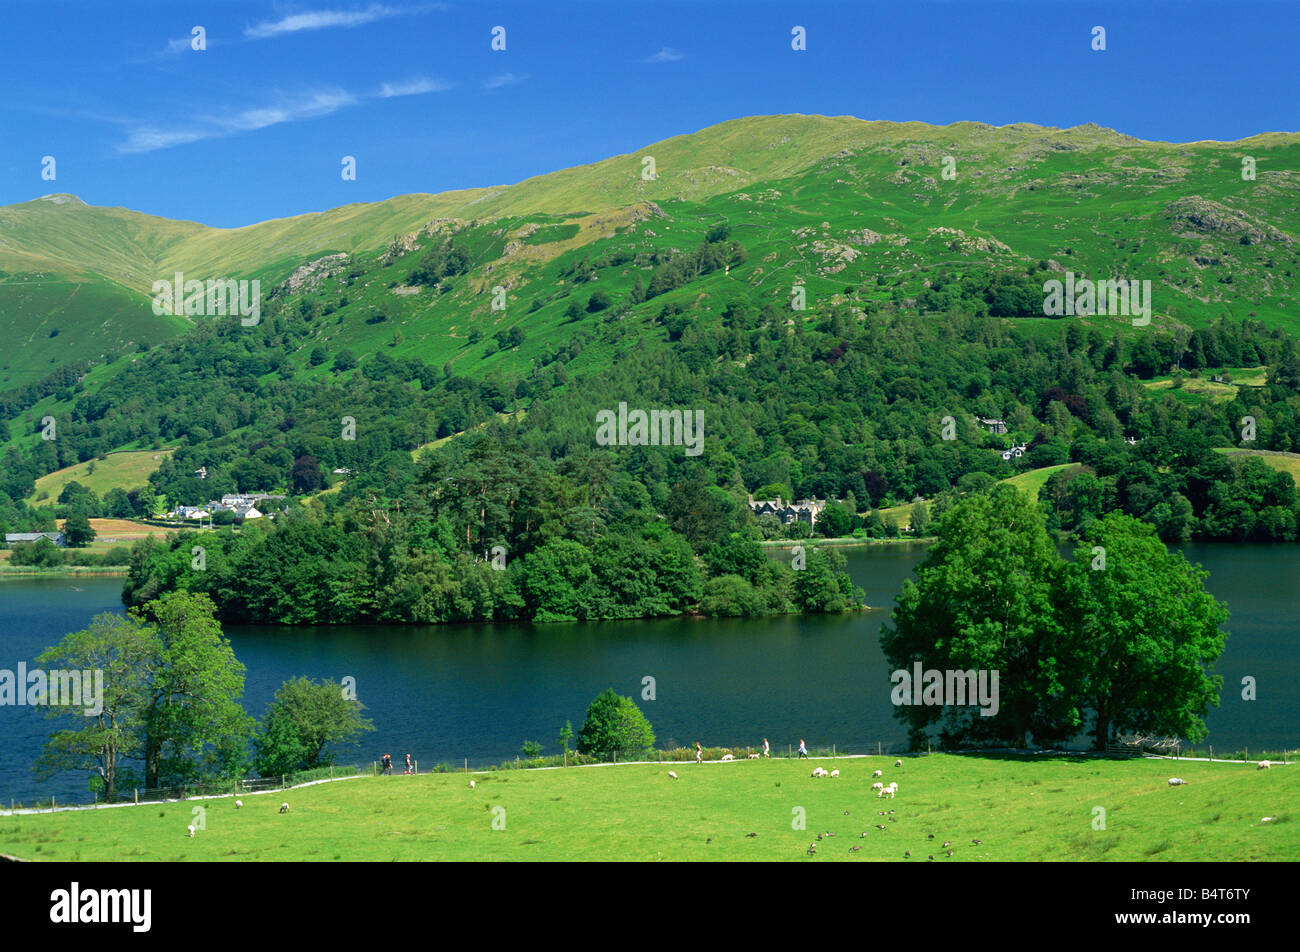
751	834
947	843
950	852
977	842
854	849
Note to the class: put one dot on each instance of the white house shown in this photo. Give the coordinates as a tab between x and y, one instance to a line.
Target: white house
1014	453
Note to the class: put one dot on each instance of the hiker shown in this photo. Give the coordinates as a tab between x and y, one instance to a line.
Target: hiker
409	770
767	748
803	751
699	753
387	760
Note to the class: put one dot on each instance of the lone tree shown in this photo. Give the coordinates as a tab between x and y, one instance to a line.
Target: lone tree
105	740
303	719
1147	630
77	529
983	600
614	725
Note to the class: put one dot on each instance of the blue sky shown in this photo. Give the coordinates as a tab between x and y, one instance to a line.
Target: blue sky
255	126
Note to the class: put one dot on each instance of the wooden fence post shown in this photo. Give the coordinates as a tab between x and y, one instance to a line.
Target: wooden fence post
137	796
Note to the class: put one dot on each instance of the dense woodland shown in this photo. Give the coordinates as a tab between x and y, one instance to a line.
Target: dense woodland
838	402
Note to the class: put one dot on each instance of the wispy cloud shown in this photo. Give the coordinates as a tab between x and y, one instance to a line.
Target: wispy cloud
320	20
413	87
665	55
288	108
504	79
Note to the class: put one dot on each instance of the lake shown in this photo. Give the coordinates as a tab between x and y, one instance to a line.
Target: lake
448	693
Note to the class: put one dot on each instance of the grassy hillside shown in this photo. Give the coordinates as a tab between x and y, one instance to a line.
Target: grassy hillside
124	470
1039	810
826	202
1282	462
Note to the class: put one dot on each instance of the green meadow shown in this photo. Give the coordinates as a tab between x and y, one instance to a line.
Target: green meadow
1019	808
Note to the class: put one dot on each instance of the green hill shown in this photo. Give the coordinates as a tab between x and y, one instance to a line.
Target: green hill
825	201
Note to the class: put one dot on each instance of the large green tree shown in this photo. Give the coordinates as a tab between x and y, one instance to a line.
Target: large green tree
304	719
983	600
1147	631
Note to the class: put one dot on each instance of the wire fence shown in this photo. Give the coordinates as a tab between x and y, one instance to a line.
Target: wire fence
235	787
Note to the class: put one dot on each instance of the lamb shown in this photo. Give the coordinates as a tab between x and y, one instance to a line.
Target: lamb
1176	781
877	773
890	790
471	784
728	757
672	774
835	773
239	804
753	756
190	828
284	808
1264	765
877	786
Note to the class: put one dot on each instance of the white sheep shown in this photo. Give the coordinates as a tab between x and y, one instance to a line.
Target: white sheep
471	784
1264	765
239	804
673	774
898	763
890	790
877	786
728	757
1176	781
835	773
819	772
190	828
877	773
753	756
1267	819
284	808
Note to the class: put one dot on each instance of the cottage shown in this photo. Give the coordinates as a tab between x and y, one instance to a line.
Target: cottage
997	427
803	510
1014	453
56	537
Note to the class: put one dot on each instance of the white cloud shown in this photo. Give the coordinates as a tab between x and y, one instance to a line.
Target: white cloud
665	55
414	87
505	79
320	20
290	109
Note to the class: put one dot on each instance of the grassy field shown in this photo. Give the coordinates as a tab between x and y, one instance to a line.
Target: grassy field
1283	462
1032	481
125	470
1020	809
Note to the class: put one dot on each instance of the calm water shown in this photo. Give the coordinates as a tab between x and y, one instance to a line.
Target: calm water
478	691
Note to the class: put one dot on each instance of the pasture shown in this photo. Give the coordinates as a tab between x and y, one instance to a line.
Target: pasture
1019	808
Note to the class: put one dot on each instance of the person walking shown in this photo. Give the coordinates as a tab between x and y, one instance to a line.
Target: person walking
388	763
699	753
409	771
767	748
803	751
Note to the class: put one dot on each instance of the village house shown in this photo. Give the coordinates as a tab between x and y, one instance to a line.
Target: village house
803	510
1014	453
997	427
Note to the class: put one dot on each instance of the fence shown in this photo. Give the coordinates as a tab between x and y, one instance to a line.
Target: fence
208	789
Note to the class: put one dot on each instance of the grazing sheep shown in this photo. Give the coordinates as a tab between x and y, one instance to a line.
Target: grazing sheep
471	784
835	773
728	757
1267	819
877	773
239	804
672	774
1264	765
819	772
753	756
284	808
190	828
877	786
898	763
1176	781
